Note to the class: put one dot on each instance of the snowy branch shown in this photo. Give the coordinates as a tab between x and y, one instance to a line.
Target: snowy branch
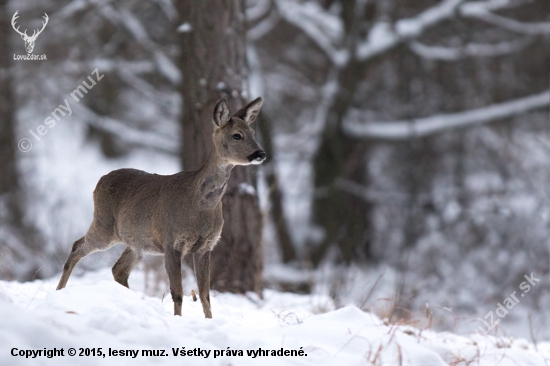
372	195
326	29
258	10
132	136
163	63
130	72
110	65
384	37
512	25
402	130
142	86
323	28
263	27
469	50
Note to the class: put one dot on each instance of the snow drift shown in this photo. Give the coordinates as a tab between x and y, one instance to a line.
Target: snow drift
106	323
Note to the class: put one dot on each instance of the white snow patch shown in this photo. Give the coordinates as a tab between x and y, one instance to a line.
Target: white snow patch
96	312
247	188
185	28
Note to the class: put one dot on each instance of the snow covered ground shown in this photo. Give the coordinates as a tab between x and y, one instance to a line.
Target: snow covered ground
95	315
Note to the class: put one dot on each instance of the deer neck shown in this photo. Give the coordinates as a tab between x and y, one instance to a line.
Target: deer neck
212	179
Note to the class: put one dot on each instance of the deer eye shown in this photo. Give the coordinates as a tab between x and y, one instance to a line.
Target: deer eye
237	137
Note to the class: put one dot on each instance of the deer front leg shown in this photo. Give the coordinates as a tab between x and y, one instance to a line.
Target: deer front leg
123	267
203	281
78	251
172	260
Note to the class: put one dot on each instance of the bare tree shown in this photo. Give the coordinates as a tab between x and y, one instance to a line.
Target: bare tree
213	65
359	38
19	239
262	18
9	177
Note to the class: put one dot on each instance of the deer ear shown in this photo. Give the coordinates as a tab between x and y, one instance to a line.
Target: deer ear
221	113
249	112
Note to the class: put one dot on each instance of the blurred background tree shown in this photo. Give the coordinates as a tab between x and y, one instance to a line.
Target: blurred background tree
19	238
213	65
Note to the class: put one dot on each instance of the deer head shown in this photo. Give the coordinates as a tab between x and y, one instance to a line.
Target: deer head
29	41
233	138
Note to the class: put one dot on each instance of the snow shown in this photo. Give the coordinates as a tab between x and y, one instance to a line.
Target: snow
185	28
247	189
95	312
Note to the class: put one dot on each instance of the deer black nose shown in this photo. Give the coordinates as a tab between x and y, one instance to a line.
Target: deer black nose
257	157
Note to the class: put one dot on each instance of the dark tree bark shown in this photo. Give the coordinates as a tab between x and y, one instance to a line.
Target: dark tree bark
286	246
19	240
9	182
342	216
213	65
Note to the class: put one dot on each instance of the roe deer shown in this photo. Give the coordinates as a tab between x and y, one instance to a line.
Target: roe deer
173	214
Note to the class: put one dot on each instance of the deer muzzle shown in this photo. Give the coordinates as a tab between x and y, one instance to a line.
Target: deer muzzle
257	157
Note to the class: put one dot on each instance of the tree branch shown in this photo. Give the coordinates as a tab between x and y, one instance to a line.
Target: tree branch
263	27
403	130
148	139
469	50
383	38
326	29
512	25
258	10
125	18
323	28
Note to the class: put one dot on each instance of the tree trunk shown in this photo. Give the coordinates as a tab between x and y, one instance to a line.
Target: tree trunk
286	245
213	65
8	171
342	216
19	241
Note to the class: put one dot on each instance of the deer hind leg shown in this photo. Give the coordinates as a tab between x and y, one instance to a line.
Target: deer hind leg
123	267
172	262
203	281
93	241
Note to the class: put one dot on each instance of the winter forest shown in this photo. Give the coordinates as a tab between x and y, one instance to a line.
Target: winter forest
407	179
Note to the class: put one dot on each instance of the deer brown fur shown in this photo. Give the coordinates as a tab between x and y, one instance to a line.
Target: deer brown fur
172	215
